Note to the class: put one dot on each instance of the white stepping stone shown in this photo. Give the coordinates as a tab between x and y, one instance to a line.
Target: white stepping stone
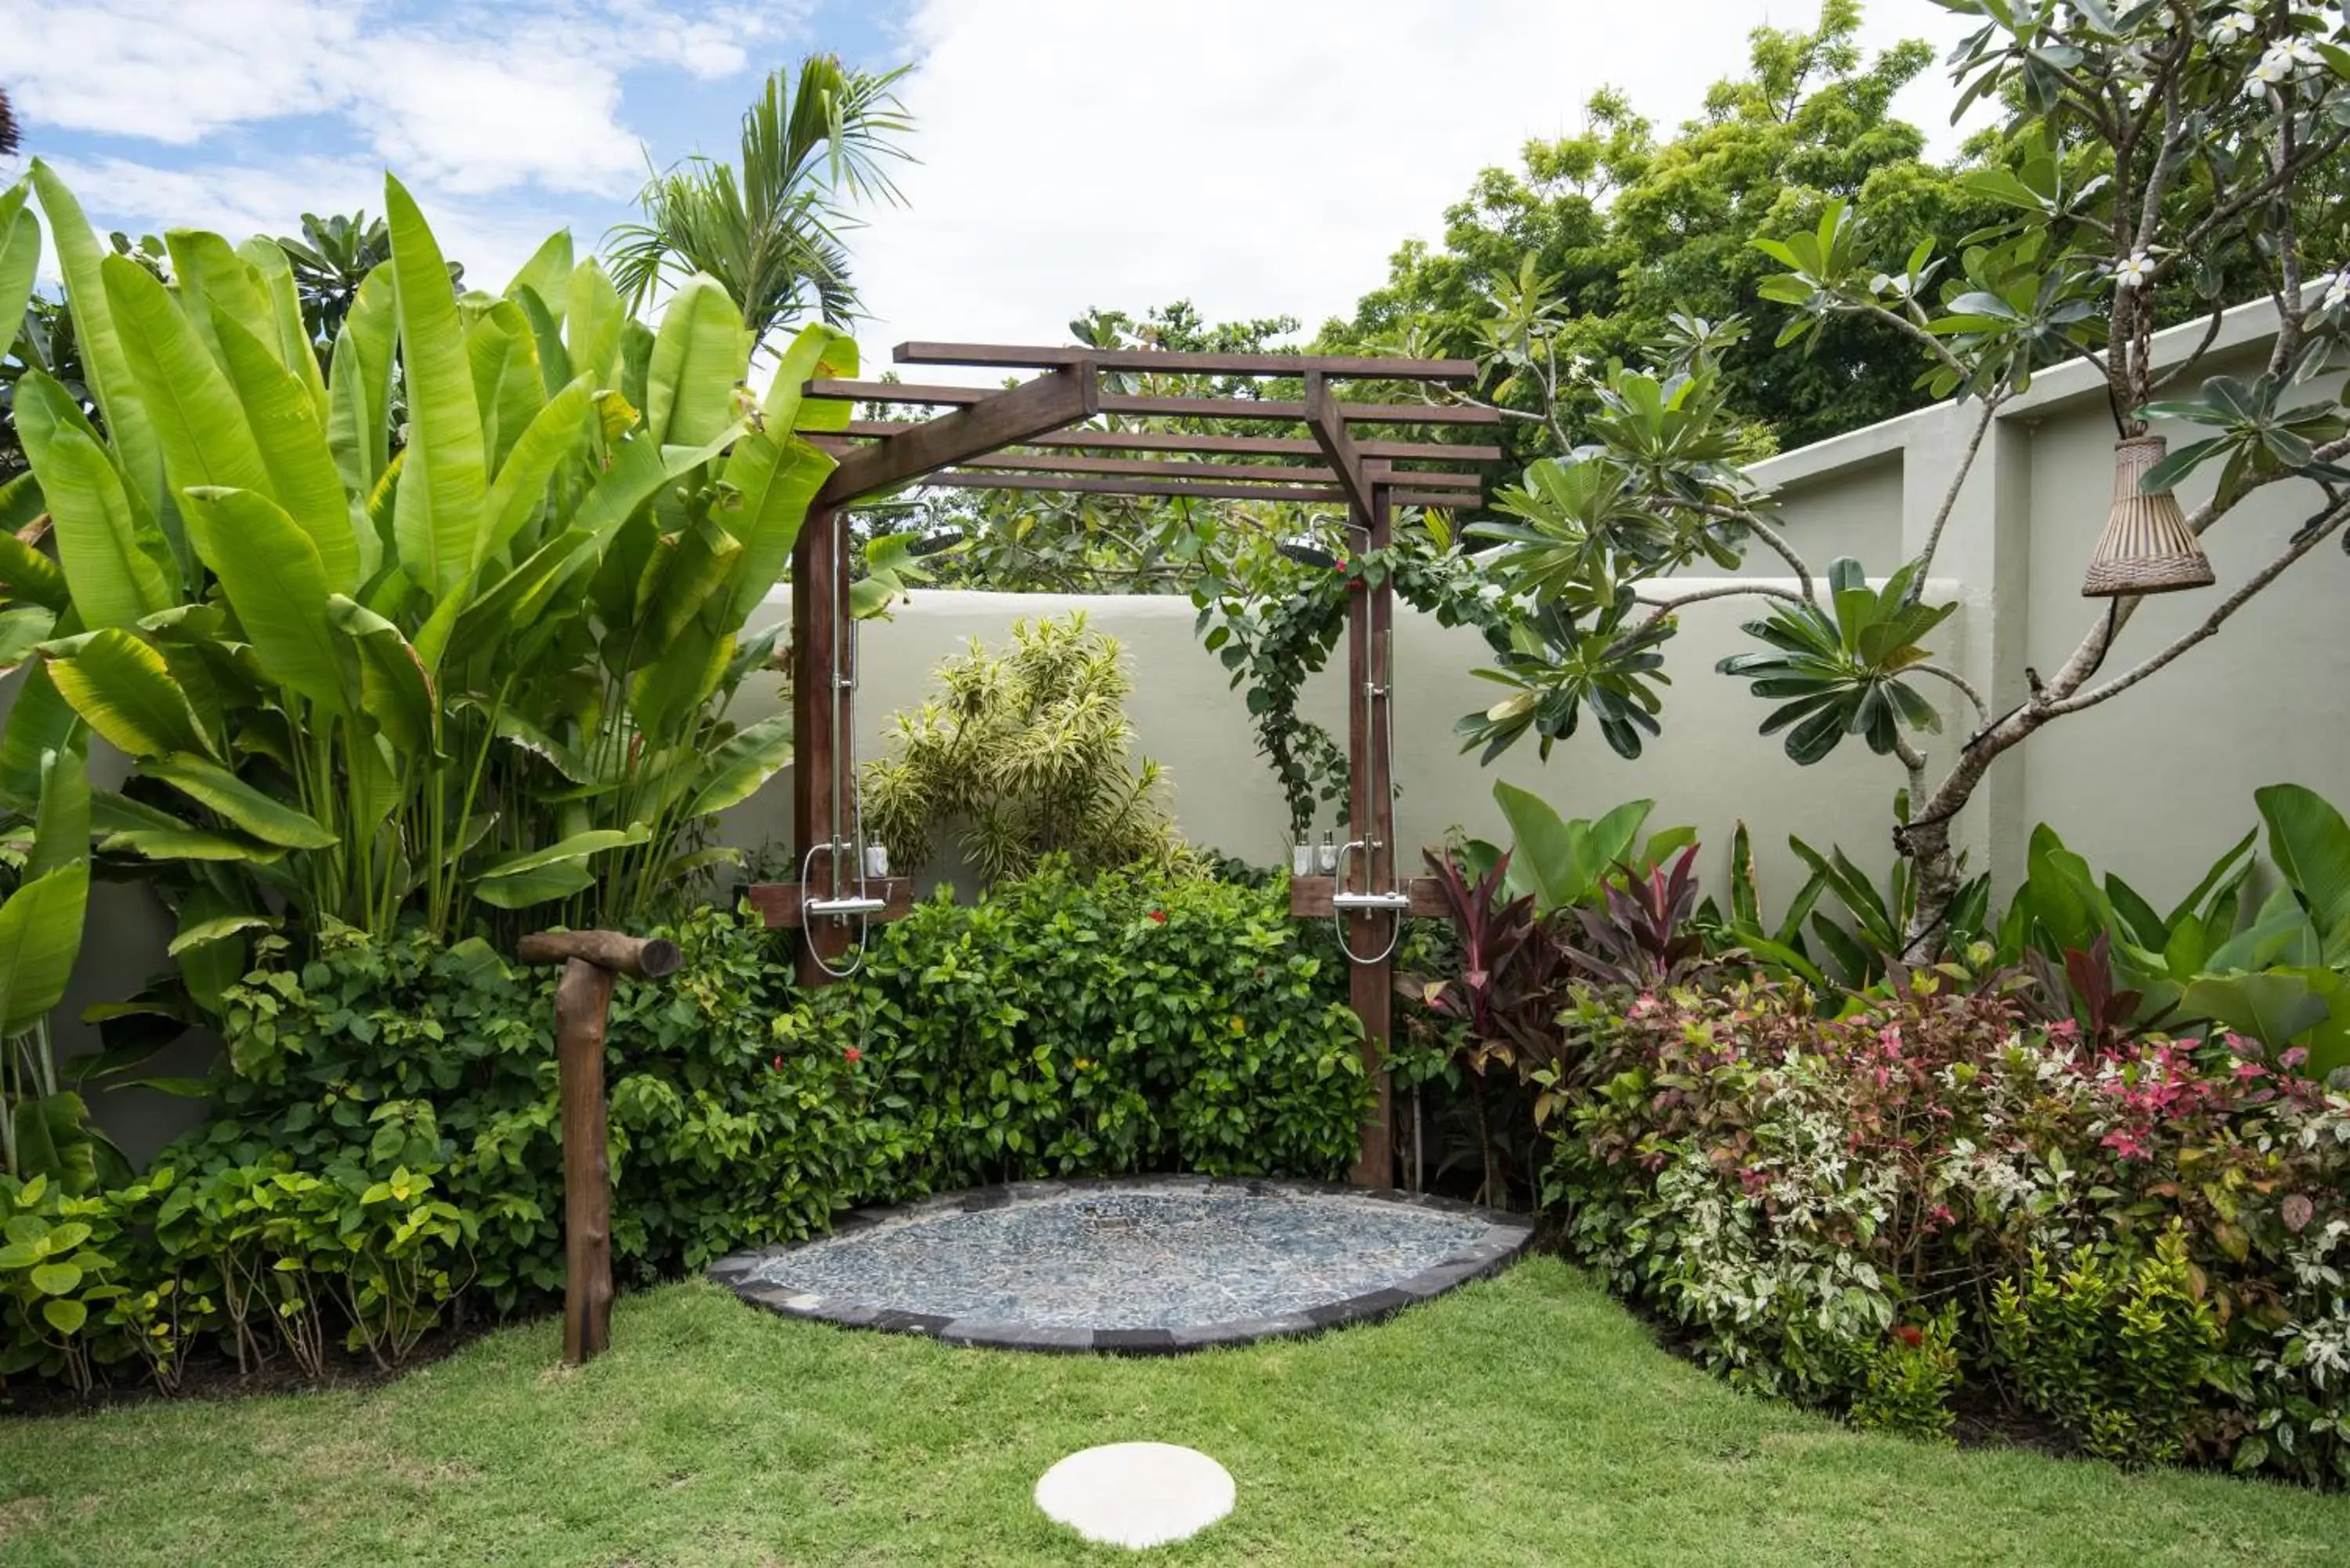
1136	1494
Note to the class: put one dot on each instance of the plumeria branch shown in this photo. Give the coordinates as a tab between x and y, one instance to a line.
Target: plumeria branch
1982	712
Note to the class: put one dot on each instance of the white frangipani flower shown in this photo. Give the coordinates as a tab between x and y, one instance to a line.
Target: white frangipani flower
2274	70
2337	290
2233	29
2134	272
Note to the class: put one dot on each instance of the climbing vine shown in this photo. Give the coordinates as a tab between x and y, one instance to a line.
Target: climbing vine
1276	627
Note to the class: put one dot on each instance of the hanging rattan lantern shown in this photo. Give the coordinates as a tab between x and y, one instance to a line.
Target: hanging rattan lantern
2146	547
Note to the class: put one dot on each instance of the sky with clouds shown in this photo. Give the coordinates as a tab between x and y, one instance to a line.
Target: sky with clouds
1258	157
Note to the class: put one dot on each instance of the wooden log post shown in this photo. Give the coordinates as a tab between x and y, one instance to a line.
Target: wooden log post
1371	806
583	1010
819	620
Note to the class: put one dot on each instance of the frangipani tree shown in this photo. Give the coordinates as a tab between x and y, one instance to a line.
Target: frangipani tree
2159	160
367	671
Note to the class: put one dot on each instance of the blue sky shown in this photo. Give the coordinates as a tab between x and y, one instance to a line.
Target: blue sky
1259	159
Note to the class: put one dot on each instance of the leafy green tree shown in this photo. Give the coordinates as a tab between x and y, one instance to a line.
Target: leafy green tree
2150	152
1616	231
769	227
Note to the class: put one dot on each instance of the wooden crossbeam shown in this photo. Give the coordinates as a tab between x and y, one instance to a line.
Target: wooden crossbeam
1294	413
1273	409
1234	445
1058	398
1273	473
1329	431
1309	897
778	903
1088	485
1349	366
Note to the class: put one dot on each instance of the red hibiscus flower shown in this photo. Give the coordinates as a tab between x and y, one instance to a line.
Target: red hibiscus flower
1160	916
852	1054
1908	1335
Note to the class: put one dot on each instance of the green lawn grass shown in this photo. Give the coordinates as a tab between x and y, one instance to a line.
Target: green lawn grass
1527	1419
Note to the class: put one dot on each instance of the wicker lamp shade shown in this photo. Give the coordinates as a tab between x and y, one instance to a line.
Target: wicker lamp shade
2146	547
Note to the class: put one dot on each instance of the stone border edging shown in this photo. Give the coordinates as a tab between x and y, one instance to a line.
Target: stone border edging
1506	1236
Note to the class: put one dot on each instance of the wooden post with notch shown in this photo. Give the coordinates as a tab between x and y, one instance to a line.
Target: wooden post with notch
1370	808
820	702
583	1011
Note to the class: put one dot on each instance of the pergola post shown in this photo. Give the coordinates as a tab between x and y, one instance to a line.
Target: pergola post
1370	812
820	712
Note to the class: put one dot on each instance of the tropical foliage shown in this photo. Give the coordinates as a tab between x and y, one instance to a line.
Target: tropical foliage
476	662
1023	754
2142	163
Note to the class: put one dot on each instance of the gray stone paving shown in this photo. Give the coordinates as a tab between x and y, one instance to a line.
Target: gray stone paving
1145	1265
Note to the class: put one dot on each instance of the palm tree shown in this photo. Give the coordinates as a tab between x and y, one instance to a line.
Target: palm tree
7	125
771	230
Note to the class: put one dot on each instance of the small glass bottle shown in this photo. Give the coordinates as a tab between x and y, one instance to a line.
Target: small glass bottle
1327	858
1301	857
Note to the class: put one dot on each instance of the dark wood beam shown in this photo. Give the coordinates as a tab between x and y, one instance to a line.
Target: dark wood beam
1185	407
778	903
1309	897
1061	397
1236	445
1349	367
1294	413
1432	498
1273	473
897	392
1086	484
1329	433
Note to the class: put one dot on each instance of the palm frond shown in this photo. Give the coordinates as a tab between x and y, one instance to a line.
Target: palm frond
769	227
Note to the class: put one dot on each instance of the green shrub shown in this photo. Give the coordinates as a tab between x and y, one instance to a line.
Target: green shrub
1026	754
1062	1026
60	1273
1133	1021
2112	1352
1907	1380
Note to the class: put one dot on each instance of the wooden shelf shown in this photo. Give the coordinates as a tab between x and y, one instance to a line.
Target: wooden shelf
1309	897
778	903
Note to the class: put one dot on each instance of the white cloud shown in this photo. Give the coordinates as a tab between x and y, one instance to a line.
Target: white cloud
475	123
1256	158
170	71
492	238
475	100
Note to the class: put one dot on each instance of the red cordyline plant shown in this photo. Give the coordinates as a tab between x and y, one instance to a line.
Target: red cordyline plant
1639	937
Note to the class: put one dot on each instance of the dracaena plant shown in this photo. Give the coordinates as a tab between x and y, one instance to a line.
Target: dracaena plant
2158	161
1641	934
476	661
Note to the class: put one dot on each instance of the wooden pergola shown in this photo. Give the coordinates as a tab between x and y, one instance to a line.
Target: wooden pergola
1044	434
